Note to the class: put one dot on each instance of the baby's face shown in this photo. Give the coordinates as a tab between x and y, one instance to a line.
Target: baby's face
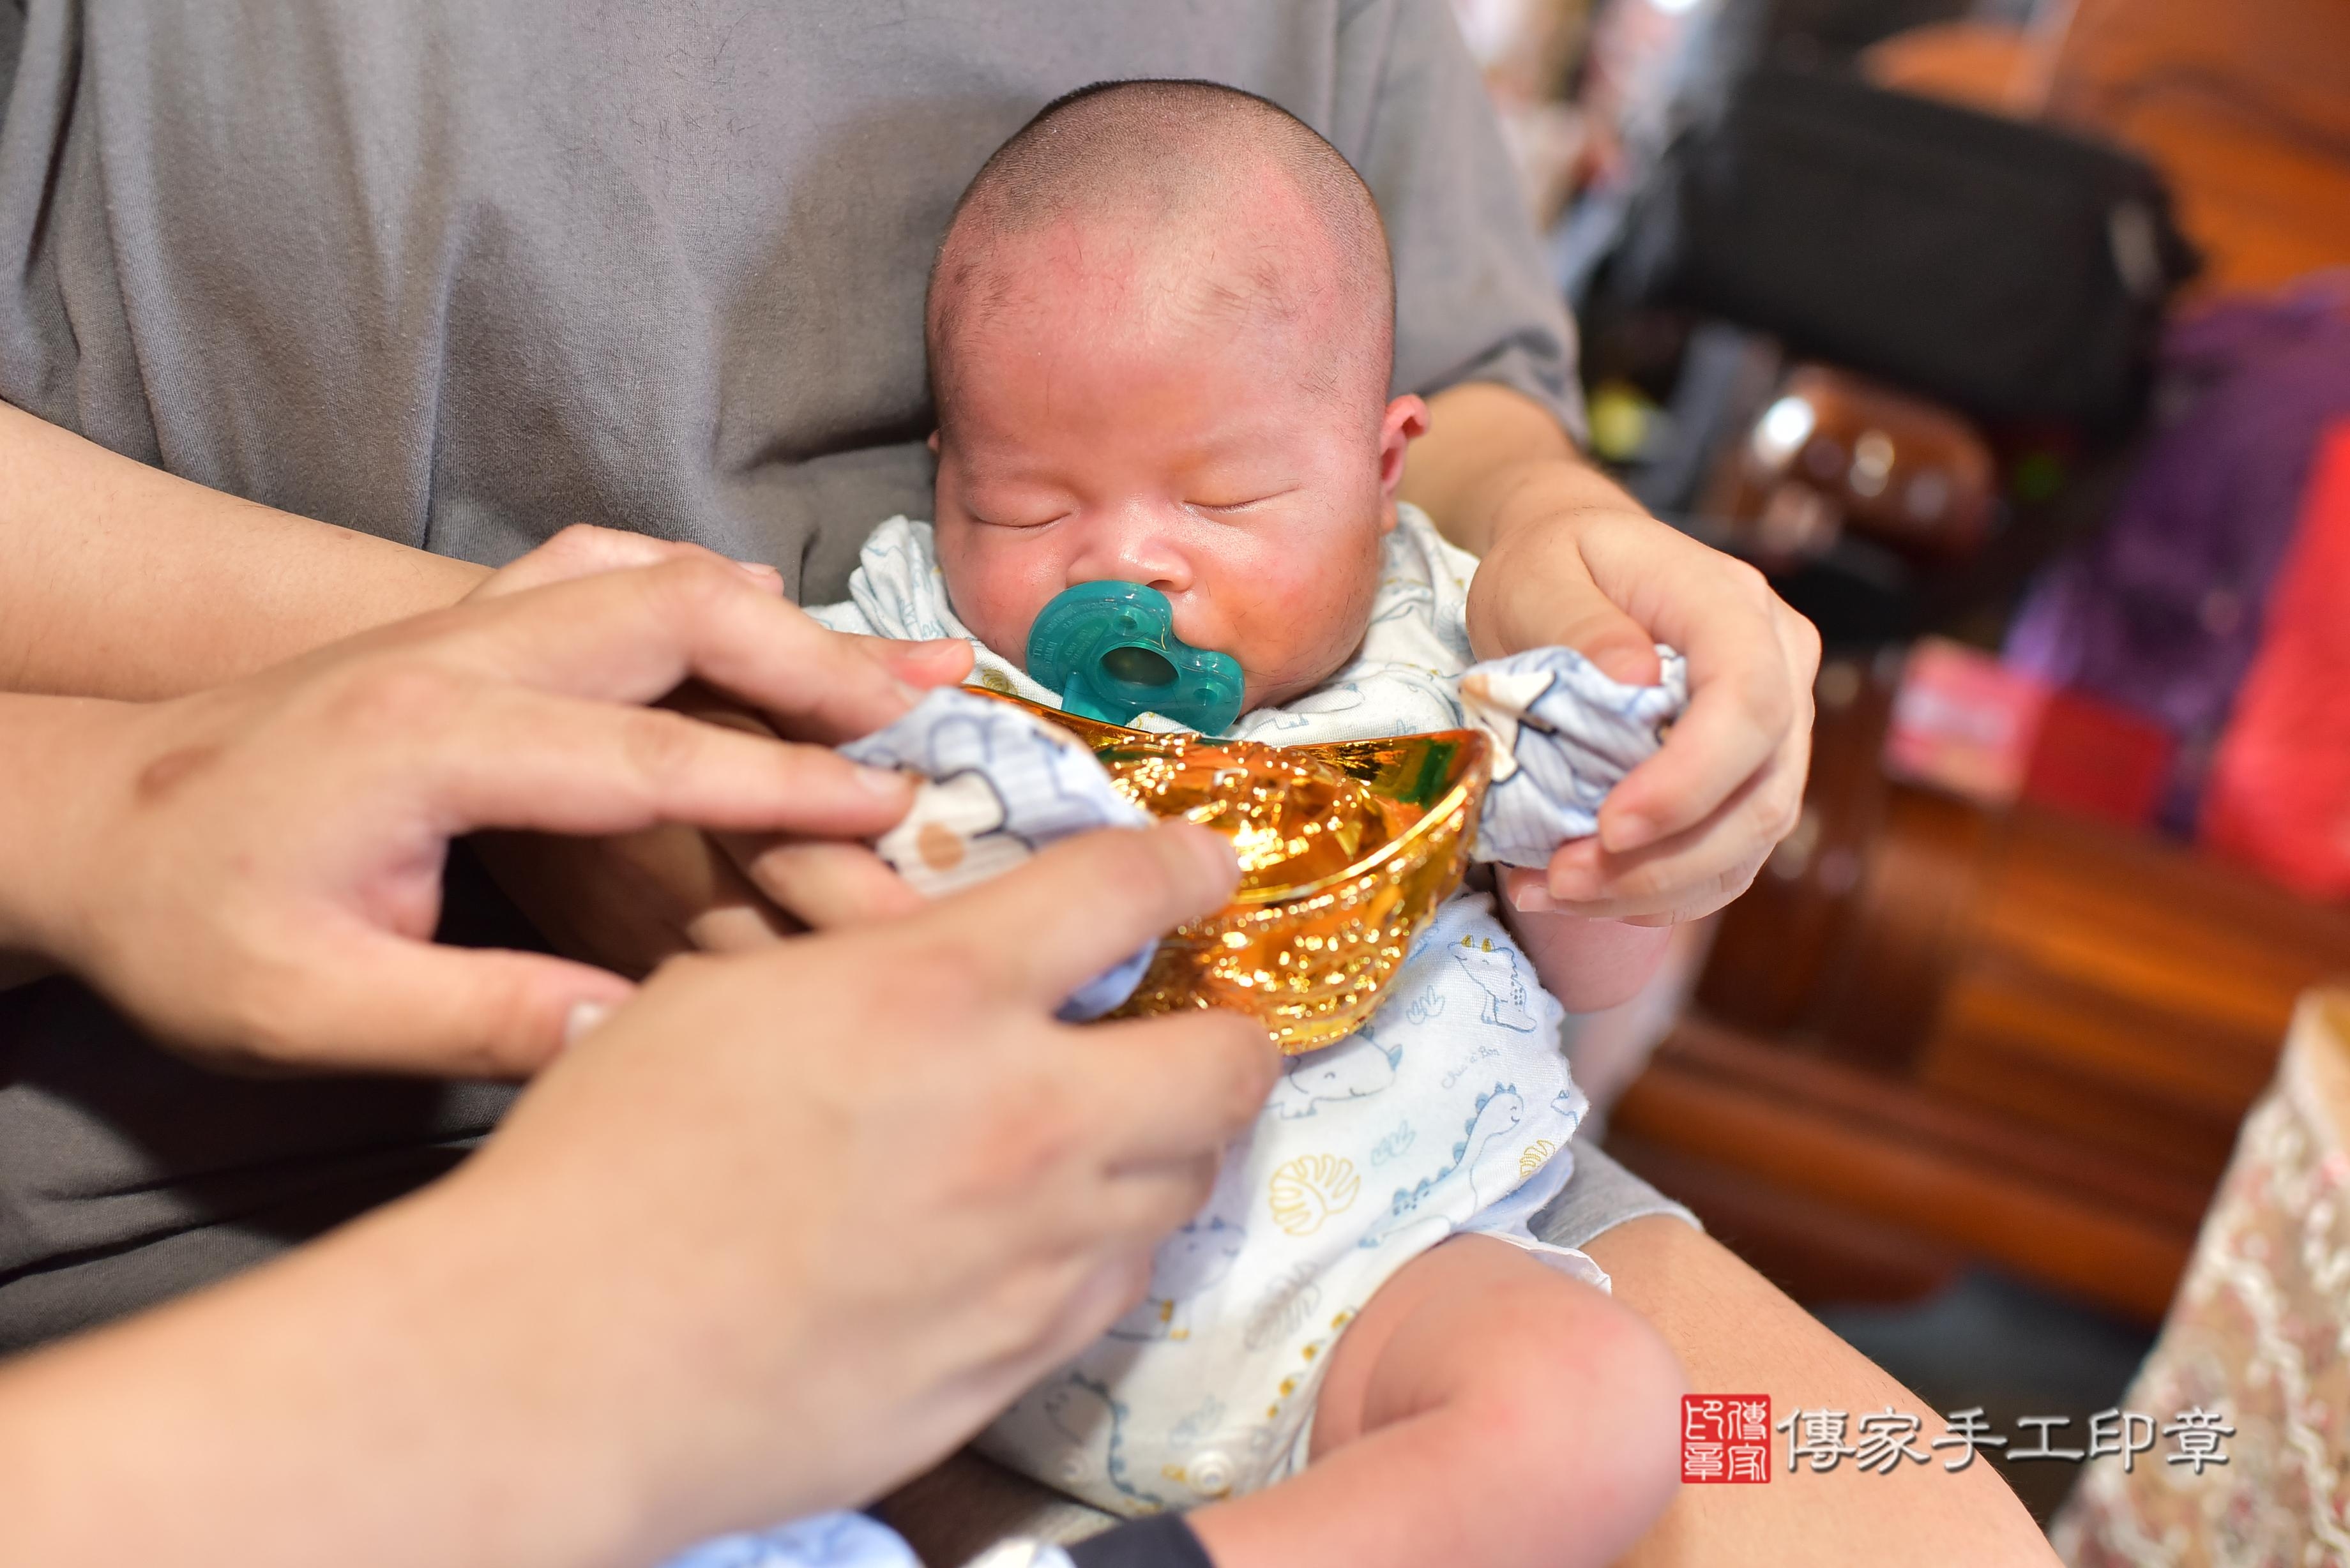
1092	437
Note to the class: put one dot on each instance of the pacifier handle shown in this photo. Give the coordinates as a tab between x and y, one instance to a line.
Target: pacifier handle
1109	649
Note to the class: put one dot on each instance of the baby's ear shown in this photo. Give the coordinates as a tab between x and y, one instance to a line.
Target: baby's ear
1406	418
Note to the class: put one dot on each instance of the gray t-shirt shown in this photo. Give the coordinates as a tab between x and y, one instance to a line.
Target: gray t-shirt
461	274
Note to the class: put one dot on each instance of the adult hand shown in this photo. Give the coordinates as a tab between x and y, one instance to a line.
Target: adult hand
1686	831
967	1191
256	873
777	1234
627	901
1570	559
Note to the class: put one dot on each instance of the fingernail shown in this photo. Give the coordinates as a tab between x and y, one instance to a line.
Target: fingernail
914	651
881	780
1531	898
759	569
1628	831
1213	848
1573	886
582	1019
1628	666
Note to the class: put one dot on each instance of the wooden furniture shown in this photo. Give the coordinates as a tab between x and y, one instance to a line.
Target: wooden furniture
1933	1035
2240	104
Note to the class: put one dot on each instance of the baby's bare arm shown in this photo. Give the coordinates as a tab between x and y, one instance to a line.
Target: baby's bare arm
1587	964
1482	1408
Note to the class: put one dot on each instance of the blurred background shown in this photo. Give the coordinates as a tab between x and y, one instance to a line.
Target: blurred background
2012	339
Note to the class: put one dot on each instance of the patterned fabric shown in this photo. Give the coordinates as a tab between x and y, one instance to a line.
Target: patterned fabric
1022	1553
998	784
822	1540
1564	733
2260	1332
1450	1112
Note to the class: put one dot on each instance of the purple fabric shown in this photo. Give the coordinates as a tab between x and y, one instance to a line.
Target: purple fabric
2161	612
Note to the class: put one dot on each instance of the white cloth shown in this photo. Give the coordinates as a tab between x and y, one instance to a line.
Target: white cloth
998	784
821	1541
1563	732
1450	1112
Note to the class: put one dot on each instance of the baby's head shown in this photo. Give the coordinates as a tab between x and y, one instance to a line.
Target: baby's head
1161	331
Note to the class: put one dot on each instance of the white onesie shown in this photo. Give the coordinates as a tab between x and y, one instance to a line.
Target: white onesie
1450	1112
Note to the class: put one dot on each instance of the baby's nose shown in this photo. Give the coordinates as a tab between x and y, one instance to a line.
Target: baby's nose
1136	546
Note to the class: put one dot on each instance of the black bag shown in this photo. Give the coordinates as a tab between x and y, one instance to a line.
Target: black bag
2015	271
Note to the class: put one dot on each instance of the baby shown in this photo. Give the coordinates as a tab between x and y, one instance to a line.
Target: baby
1160	332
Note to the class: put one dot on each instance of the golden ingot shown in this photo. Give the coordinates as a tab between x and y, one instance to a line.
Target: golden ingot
1346	851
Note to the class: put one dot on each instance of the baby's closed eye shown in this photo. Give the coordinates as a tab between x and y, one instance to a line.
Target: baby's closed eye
1012	519
1240	504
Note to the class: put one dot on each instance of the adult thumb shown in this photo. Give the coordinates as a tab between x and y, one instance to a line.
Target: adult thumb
1611	639
1553	600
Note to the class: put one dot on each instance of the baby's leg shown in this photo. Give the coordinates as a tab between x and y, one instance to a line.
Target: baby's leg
1483	1410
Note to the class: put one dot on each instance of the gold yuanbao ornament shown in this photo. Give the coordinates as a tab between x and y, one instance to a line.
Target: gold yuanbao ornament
1346	849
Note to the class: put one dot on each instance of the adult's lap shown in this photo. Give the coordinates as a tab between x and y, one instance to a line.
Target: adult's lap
129	1176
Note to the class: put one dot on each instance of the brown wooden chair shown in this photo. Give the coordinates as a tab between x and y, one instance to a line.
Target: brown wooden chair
1933	1034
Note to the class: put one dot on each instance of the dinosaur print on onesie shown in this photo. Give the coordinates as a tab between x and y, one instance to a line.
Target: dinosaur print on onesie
1314	1209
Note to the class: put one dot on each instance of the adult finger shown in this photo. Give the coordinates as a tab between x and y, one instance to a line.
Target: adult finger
393	1006
824	884
1688	900
1588	622
1692	872
1046	928
1746	692
939	661
634	636
584	549
1139	1206
1090	1292
1700	902
1175	1088
497	756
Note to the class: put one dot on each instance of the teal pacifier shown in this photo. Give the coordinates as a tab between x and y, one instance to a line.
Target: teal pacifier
1109	649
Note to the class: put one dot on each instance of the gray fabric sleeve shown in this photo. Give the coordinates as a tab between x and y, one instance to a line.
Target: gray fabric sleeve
12	47
1474	300
1600	1195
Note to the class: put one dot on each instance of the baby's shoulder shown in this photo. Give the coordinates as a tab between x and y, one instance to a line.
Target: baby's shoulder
1420	614
1418	548
896	590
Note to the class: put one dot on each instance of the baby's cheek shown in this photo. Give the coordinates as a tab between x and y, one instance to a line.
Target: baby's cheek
993	593
1302	620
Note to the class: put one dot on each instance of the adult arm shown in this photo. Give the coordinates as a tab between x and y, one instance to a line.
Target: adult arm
120	580
1570	559
671	1297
